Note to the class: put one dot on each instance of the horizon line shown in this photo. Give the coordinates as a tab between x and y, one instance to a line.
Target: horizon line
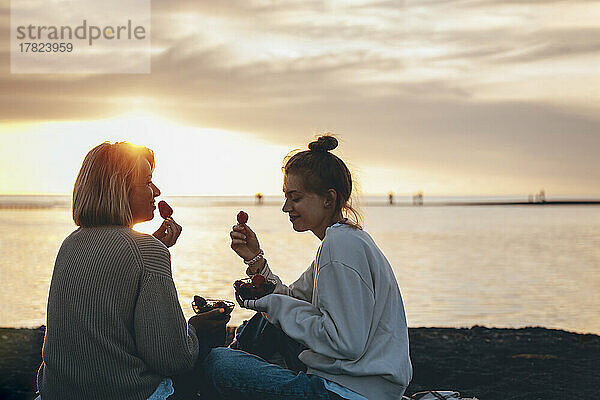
359	195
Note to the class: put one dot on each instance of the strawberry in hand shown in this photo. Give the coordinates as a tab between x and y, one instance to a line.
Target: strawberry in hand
244	241
168	232
242	218
164	209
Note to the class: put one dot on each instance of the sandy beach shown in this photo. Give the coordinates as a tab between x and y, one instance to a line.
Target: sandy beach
489	363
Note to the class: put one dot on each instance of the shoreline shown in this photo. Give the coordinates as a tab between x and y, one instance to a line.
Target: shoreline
490	203
32	205
489	363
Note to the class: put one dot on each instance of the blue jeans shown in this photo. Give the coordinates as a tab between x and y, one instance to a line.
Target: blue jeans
164	390
259	337
234	374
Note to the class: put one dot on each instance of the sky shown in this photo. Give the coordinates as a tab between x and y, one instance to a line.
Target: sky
450	97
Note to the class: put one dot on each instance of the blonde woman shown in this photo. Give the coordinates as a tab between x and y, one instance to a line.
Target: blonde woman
114	325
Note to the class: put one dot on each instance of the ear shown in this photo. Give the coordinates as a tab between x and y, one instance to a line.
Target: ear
330	198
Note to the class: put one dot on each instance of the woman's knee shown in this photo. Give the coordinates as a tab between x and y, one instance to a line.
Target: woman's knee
219	361
220	355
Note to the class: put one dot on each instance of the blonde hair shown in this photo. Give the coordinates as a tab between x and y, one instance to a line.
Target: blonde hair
102	188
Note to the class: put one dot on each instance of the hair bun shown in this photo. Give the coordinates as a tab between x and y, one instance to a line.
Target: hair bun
323	143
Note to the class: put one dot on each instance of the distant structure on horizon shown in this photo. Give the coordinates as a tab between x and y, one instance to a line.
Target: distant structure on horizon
418	198
540	197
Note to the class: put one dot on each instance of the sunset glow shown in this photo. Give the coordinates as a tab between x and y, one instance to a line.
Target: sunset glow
188	160
453	98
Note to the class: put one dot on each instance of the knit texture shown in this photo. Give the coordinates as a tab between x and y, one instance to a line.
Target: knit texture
115	328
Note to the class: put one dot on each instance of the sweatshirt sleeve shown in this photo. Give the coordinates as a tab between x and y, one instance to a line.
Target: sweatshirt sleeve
339	326
301	289
163	338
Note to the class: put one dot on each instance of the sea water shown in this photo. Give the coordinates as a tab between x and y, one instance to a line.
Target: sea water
457	266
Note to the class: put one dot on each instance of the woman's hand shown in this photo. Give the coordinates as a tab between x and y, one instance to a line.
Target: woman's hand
239	299
168	232
209	321
244	241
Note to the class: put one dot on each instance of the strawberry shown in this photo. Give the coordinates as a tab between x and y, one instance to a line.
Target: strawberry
258	280
200	301
253	288
165	210
220	304
242	217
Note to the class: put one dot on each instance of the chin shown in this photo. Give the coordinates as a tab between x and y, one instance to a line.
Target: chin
299	228
149	217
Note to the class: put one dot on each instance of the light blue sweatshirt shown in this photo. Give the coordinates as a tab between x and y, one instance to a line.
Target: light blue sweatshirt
347	309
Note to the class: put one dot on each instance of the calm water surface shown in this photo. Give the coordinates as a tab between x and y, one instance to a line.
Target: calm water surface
456	266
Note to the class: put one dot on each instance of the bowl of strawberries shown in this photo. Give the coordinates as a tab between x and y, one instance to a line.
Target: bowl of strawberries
254	287
201	305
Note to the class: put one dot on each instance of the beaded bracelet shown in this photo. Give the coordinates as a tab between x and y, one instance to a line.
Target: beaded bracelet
255	259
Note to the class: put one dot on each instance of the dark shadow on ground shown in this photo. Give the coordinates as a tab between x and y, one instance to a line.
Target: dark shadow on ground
490	363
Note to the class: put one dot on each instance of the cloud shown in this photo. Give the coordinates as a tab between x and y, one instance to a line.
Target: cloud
479	3
403	83
524	2
495	46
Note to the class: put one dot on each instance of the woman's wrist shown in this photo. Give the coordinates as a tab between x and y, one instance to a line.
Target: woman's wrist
257	266
255	259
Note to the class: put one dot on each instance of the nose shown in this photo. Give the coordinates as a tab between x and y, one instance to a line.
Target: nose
155	191
286	206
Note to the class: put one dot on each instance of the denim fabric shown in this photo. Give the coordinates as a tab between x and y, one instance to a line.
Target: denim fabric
234	374
164	390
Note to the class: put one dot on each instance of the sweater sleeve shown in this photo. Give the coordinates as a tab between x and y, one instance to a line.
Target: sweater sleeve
339	326
301	289
163	338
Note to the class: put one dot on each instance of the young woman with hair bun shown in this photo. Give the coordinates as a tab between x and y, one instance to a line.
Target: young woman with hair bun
339	331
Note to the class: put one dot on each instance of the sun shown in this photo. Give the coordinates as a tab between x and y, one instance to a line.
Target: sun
204	161
189	160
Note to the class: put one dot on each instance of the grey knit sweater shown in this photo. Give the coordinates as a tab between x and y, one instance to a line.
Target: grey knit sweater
114	326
